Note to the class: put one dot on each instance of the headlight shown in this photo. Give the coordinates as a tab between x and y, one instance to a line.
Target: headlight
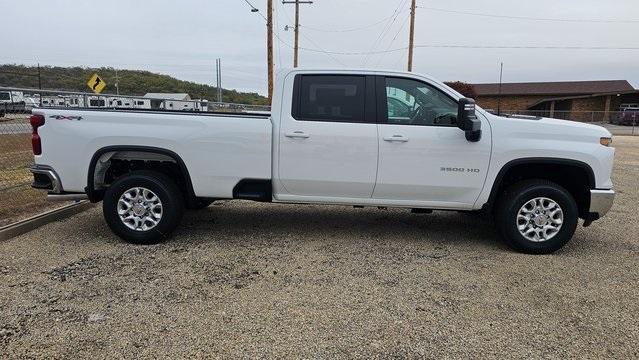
605	141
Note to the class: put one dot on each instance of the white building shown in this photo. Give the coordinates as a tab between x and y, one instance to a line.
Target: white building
176	101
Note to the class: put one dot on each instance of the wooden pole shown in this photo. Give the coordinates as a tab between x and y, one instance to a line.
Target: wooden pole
297	31
411	38
39	78
501	73
297	26
269	46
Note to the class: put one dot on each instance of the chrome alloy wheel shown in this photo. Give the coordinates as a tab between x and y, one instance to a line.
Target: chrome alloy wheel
540	219
140	209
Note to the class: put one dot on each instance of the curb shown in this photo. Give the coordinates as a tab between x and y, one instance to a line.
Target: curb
34	222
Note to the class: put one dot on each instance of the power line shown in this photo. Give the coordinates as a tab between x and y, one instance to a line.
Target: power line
400	59
204	68
531	47
319	48
255	10
358	53
385	30
393	40
191	68
529	17
364	27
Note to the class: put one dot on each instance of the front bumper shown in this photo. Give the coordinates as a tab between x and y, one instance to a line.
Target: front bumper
601	201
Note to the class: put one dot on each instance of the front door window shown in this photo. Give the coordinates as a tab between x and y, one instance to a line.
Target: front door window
411	102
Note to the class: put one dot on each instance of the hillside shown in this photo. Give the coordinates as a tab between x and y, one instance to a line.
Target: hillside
132	82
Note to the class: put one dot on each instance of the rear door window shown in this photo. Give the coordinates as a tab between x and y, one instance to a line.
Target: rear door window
336	98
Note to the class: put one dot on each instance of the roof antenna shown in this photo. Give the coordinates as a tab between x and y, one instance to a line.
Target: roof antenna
501	72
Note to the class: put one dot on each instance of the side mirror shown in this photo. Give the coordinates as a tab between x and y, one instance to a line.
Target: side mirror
467	119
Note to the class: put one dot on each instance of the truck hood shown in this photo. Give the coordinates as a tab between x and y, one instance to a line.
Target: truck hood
576	125
557	127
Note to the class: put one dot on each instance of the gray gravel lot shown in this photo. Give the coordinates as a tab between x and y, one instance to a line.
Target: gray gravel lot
242	279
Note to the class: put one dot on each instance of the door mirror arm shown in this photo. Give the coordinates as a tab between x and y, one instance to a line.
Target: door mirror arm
467	119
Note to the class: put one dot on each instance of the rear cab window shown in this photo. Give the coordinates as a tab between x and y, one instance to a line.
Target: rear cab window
334	98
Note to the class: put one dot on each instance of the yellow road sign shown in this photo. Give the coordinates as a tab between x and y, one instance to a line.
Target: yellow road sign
96	84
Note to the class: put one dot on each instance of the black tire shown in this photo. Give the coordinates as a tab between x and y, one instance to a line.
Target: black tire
512	200
199	204
165	189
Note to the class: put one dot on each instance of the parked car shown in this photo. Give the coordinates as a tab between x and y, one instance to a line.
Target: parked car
627	116
363	138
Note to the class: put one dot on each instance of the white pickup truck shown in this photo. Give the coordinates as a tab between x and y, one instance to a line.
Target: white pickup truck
363	138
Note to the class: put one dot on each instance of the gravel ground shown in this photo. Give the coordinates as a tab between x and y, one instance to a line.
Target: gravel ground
243	279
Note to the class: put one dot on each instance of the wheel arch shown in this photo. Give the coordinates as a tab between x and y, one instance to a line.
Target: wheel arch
576	176
96	195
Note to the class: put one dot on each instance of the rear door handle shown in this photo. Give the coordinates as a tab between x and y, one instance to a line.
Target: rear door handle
398	138
297	134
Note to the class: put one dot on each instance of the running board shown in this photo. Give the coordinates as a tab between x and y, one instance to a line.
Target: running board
253	189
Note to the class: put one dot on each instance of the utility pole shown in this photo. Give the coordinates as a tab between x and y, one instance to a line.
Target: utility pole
501	72
269	47
39	78
297	26
117	83
218	76
411	39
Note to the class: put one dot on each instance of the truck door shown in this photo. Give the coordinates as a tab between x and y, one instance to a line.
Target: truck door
423	156
328	139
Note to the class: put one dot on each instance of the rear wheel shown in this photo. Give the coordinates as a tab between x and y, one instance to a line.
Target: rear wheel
536	216
143	207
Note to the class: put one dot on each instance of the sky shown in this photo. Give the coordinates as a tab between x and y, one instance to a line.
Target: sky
183	38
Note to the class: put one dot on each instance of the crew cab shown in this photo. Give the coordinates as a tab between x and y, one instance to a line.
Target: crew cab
362	138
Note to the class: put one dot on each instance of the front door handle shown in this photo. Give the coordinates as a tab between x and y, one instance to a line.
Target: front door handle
297	134
398	138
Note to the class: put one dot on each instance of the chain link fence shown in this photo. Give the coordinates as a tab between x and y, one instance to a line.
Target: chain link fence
14	100
18	200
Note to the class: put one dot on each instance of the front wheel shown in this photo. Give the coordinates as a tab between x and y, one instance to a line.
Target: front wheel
536	216
143	207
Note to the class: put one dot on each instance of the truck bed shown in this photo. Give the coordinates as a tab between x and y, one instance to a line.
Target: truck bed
218	149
